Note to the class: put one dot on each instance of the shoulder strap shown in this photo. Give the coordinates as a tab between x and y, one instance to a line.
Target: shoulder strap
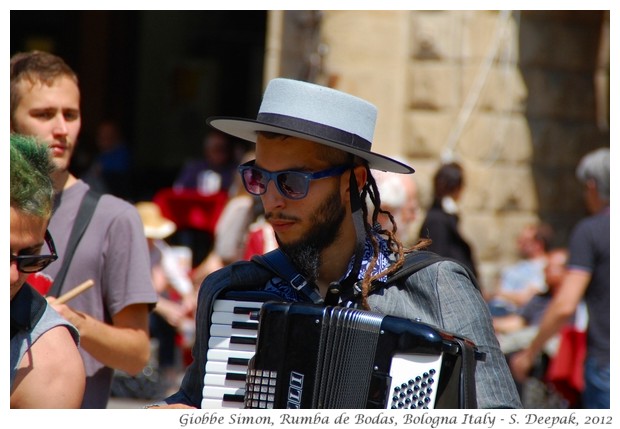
277	261
414	262
469	356
420	259
27	307
84	215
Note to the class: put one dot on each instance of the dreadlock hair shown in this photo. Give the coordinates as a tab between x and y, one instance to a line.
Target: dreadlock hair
31	186
371	191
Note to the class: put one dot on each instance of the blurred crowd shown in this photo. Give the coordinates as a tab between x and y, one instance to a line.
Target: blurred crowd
541	304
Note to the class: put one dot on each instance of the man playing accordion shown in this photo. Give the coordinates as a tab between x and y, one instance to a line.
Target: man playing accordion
313	174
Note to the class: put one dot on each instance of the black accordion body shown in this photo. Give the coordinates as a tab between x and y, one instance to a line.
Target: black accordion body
317	357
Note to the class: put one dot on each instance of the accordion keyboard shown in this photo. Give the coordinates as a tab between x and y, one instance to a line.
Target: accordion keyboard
232	343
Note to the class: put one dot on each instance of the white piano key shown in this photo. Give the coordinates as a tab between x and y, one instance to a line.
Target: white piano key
219	403
224	354
229	305
226	318
223	381
229	331
224	367
227	343
218	392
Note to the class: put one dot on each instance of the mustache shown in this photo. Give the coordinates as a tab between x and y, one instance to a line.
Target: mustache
280	216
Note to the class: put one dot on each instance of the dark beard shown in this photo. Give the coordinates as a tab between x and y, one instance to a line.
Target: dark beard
305	253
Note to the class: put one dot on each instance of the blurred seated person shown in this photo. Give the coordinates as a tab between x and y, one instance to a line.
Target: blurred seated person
547	382
176	299
524	279
516	330
215	171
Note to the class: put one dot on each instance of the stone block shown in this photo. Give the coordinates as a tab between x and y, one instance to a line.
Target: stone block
434	35
431	85
500	188
426	133
359	38
490	137
502	89
479	31
481	232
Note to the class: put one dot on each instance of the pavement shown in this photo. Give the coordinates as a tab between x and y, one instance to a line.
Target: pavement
128	403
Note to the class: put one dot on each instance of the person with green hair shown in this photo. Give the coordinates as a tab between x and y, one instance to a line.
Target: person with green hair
46	367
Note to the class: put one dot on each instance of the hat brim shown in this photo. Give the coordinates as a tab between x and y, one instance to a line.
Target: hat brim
246	129
160	232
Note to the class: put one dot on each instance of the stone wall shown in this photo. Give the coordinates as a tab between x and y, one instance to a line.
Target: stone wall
511	96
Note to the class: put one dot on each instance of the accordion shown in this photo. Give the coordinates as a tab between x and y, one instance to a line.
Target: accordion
317	357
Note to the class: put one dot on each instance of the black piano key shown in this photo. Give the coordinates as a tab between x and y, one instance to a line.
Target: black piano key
235	376
238	361
245	325
244	310
233	398
243	340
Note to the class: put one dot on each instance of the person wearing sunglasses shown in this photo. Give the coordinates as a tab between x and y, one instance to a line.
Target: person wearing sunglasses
313	174
113	315
46	368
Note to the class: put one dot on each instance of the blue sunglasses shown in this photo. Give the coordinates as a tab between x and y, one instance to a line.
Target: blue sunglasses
291	184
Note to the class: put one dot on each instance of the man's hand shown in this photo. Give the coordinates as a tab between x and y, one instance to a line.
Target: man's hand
521	364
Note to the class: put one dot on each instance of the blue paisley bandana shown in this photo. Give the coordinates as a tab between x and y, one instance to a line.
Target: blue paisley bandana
386	258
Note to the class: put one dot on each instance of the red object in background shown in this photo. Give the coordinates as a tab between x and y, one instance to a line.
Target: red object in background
40	282
565	370
191	209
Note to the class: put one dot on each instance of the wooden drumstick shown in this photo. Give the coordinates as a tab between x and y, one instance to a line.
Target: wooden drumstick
74	292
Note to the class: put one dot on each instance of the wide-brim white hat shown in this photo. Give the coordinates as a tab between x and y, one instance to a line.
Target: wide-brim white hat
156	226
315	113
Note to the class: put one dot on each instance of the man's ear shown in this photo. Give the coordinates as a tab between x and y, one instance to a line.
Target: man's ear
361	175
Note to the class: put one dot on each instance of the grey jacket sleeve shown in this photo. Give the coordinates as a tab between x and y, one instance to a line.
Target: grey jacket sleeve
444	296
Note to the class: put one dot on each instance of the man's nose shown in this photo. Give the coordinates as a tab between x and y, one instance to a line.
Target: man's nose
60	125
14	272
272	198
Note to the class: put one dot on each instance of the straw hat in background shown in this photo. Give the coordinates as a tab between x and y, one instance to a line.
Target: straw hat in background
156	226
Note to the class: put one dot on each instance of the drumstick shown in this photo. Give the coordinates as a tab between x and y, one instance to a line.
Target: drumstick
74	292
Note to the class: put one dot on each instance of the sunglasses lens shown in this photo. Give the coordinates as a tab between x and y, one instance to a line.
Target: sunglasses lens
293	185
34	264
254	181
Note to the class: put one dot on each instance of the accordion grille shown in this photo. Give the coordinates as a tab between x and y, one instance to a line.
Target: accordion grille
349	340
